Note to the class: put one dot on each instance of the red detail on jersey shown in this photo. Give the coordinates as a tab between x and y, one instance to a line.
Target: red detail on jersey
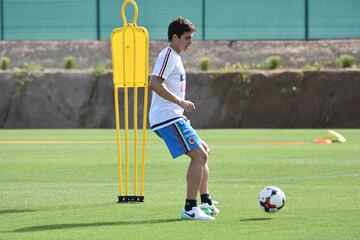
191	140
183	87
164	62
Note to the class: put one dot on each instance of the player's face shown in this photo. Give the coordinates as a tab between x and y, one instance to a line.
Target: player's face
184	42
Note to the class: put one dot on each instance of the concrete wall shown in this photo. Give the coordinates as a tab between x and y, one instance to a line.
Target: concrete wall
268	99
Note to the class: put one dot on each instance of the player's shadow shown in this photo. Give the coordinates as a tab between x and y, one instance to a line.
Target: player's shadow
255	219
96	224
12	211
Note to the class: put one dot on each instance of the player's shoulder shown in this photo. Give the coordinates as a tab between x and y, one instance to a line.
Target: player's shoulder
168	52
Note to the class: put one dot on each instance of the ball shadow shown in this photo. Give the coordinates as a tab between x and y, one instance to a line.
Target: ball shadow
255	219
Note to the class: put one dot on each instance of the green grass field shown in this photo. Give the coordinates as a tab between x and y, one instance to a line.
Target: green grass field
69	190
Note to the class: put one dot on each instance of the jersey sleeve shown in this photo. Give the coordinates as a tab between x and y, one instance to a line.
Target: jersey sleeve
164	64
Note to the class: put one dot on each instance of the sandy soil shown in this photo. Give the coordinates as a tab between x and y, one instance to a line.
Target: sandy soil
296	54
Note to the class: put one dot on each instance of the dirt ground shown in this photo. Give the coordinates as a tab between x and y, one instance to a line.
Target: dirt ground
296	54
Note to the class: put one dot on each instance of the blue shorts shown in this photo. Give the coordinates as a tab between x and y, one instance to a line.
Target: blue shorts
179	137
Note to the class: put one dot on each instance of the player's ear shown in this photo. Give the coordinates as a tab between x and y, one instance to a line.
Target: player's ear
175	37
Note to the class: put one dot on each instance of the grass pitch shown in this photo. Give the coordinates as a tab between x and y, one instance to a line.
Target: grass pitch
62	184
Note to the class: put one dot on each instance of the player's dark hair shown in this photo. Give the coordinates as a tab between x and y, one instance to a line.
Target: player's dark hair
180	26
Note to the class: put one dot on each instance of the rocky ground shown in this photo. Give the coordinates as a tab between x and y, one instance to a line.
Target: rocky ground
296	54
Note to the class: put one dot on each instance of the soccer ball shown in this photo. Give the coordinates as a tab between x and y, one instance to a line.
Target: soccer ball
271	199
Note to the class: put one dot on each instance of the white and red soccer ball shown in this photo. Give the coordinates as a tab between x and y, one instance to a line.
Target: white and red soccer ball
272	199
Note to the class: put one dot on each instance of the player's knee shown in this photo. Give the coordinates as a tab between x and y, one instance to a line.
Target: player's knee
208	151
206	147
199	155
203	157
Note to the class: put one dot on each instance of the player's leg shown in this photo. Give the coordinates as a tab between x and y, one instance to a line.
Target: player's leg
195	171
194	175
180	139
205	176
207	204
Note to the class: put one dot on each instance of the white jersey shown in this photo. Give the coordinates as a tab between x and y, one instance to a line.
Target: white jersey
169	67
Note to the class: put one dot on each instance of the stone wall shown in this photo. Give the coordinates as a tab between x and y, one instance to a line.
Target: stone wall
257	99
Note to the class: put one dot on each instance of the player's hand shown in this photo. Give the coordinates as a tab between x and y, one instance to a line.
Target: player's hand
188	106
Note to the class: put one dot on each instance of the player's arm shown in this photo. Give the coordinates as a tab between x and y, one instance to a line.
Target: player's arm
157	85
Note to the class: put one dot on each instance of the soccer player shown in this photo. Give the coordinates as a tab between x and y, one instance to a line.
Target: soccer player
168	85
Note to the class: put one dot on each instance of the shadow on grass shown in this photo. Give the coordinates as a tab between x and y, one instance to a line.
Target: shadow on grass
254	219
11	211
96	224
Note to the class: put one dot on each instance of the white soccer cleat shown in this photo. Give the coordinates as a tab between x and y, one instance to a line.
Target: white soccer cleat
209	209
196	214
